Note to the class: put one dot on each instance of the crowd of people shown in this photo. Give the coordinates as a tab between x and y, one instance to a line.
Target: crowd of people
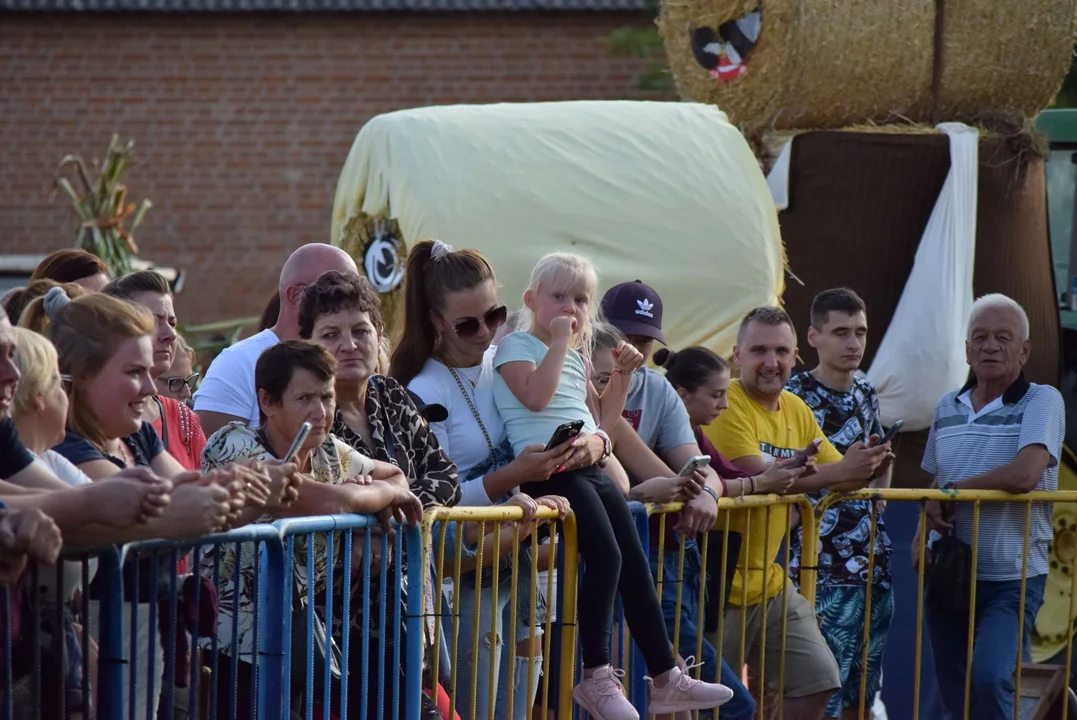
550	405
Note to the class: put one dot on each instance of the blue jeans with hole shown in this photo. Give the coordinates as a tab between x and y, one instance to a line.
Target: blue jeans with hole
490	667
994	651
742	706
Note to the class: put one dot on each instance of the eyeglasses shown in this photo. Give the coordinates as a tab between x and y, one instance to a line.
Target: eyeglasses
175	384
493	320
67	381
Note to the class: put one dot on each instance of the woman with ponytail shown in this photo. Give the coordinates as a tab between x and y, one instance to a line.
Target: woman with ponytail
451	314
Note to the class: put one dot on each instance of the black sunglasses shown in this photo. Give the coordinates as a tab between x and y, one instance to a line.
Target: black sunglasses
493	320
175	384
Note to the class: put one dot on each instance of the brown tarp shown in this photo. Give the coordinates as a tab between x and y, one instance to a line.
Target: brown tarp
858	204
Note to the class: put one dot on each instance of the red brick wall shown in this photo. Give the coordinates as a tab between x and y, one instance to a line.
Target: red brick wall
242	122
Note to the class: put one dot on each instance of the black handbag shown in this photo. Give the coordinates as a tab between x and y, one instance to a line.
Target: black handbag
949	579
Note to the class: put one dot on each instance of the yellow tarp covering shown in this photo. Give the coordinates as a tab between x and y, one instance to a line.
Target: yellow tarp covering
668	193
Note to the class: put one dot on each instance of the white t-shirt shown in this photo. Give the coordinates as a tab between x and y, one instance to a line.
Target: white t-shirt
460	435
62	468
228	387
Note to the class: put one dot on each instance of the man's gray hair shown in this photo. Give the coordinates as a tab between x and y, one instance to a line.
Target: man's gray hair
997	301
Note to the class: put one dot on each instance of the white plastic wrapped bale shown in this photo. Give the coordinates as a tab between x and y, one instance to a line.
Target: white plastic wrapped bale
668	193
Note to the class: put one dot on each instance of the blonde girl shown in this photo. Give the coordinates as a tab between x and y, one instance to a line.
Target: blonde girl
540	384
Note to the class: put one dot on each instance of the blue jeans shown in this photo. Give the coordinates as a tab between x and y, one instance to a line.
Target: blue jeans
494	648
742	706
994	652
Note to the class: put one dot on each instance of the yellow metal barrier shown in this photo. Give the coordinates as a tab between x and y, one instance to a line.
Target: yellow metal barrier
499	526
752	508
975	497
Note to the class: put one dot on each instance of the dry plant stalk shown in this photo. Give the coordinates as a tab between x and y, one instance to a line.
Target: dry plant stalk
101	206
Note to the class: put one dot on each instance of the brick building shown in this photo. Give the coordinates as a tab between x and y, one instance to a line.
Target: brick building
243	111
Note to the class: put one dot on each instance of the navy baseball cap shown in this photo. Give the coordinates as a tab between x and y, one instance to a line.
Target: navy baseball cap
635	309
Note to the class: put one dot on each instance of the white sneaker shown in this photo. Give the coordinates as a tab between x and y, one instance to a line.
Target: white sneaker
603	696
682	693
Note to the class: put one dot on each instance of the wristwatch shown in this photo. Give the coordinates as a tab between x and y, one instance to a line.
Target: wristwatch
607	449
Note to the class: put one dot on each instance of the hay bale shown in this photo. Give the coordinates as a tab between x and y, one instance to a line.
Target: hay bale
819	64
380	252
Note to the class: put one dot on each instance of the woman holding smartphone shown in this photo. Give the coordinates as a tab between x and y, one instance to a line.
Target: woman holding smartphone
452	313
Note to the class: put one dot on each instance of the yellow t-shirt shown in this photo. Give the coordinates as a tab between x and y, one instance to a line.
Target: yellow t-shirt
747	429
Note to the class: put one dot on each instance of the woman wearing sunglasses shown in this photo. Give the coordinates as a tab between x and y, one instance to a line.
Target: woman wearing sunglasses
452	314
176	423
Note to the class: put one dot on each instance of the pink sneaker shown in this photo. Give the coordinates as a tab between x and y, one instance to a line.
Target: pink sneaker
603	696
683	693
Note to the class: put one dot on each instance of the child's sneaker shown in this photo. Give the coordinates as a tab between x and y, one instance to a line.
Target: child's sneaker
682	693
603	696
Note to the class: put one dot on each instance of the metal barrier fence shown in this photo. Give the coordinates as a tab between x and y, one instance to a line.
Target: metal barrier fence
477	633
1049	685
692	605
305	649
1034	687
227	598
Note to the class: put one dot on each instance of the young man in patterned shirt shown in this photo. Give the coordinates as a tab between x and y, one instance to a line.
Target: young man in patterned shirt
847	409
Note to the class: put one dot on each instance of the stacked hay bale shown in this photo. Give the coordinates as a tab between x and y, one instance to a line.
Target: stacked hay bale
821	65
860	86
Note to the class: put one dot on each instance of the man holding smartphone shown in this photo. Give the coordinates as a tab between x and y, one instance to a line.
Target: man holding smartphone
847	409
763	424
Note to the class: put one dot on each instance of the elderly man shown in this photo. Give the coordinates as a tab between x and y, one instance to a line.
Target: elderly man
227	393
998	432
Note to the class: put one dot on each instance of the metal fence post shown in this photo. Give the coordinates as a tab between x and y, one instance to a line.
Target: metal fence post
637	683
413	656
111	661
273	695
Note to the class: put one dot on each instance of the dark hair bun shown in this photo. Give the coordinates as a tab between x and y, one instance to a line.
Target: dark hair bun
663	357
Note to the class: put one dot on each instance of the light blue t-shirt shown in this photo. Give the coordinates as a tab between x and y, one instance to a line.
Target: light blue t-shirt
569	402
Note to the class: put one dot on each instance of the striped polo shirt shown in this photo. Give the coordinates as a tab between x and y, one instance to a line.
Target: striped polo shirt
963	443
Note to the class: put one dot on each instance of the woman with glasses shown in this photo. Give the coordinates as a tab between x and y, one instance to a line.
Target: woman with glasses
176	423
180	382
452	313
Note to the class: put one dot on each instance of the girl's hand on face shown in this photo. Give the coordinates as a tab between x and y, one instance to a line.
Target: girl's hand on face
562	327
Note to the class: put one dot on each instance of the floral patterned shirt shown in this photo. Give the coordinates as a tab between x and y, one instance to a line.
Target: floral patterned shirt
332	463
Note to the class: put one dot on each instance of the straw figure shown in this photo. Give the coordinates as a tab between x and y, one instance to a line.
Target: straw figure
806	64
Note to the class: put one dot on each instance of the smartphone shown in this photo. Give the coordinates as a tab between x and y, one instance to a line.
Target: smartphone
564	433
698	462
891	433
800	457
300	438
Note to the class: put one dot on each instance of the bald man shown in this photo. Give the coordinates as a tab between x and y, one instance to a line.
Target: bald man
227	393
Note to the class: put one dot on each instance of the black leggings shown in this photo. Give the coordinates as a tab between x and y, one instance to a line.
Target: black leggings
615	560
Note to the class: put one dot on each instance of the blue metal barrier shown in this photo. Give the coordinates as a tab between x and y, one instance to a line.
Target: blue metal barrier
160	681
385	701
130	675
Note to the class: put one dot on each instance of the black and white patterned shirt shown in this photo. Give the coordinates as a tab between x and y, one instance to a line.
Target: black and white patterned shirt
844	529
